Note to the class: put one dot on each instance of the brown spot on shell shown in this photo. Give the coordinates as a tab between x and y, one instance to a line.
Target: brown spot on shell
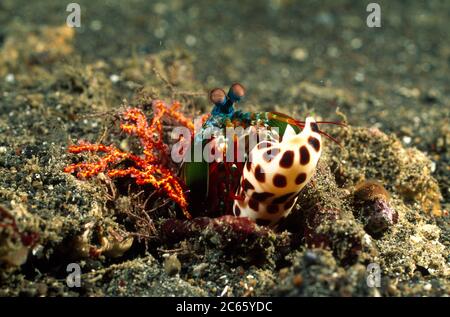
304	155
279	180
315	143
261	196
287	159
314	127
300	178
253	204
282	199
259	174
272	209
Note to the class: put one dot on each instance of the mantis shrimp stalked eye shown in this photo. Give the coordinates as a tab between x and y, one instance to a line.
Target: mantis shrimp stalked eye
276	172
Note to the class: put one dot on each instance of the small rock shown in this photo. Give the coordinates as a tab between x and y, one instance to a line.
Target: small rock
433	167
373	208
15	257
310	258
299	54
41	289
333	51
172	265
283	272
380	216
10	78
199	269
297	280
114	78
356	43
416	239
407	139
37	184
409	92
359	77
367	240
430	232
96	25
190	40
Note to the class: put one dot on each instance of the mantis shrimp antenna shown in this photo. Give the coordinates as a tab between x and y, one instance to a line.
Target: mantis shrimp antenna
301	124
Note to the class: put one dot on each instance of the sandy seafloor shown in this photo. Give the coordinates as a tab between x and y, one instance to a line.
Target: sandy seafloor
391	84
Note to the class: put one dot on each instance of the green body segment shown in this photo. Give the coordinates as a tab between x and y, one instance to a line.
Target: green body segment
196	176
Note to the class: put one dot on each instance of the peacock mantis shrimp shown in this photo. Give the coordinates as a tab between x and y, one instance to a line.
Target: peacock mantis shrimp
257	180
